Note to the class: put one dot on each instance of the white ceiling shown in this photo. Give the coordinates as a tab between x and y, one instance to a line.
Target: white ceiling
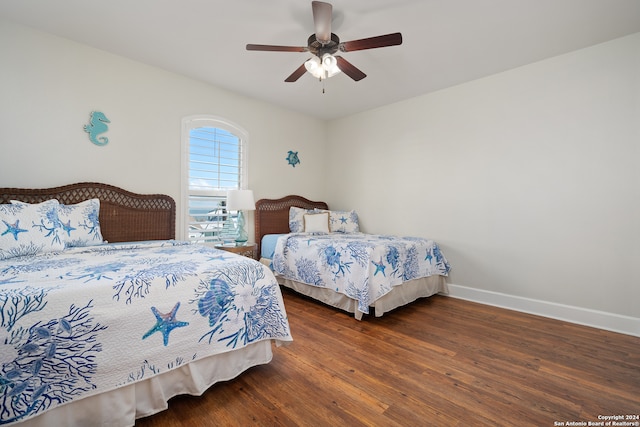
445	42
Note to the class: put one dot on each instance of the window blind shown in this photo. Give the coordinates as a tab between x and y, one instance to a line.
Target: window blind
216	161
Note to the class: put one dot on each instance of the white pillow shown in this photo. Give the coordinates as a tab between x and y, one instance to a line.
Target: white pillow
296	219
81	223
316	222
29	229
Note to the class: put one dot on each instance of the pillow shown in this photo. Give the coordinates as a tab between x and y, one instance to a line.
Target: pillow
344	222
296	218
316	222
268	245
81	223
29	229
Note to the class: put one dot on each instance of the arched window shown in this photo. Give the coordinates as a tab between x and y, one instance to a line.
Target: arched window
214	161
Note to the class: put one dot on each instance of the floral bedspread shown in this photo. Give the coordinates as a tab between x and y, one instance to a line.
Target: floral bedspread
87	320
362	266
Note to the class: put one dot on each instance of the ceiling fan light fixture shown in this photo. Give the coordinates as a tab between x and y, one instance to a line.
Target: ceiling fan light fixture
322	68
328	61
313	66
330	65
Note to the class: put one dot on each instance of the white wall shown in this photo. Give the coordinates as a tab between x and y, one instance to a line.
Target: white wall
49	86
529	179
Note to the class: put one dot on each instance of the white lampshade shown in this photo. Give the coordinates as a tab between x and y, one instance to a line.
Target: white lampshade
240	200
313	66
328	61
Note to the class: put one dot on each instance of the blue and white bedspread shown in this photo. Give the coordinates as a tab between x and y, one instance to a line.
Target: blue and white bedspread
362	266
87	320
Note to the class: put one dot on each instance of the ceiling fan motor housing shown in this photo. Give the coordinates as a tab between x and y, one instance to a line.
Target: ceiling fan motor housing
318	49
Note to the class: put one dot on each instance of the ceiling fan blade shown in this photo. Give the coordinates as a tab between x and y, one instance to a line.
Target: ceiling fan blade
372	42
322	15
296	74
272	48
349	69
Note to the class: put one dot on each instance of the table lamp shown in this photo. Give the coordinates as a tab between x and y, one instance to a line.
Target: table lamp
240	200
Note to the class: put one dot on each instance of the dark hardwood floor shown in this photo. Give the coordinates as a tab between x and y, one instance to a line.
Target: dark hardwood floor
436	362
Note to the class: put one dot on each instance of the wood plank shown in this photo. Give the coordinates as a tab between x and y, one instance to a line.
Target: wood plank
438	361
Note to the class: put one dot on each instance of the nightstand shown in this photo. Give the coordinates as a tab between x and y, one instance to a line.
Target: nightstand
250	250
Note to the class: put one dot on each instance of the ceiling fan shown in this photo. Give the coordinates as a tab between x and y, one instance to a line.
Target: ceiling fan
324	44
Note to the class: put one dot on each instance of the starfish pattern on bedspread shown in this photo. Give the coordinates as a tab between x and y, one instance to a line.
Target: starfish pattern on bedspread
379	267
166	322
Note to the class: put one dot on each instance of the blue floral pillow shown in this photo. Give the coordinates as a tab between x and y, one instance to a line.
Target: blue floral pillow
296	218
344	222
29	229
81	223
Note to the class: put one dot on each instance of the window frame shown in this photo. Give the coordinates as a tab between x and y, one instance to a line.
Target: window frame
198	121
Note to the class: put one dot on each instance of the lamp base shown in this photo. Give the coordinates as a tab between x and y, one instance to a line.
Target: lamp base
242	236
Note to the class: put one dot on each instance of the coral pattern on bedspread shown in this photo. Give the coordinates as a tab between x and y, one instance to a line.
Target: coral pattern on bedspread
82	321
362	266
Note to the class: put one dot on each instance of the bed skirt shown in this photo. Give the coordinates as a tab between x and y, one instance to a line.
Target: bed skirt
121	407
400	295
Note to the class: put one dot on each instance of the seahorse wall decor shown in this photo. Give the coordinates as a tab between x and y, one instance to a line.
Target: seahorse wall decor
96	126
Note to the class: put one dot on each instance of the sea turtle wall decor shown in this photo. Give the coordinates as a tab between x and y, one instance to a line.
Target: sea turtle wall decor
293	159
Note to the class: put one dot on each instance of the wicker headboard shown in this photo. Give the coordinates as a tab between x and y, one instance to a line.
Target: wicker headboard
124	216
272	215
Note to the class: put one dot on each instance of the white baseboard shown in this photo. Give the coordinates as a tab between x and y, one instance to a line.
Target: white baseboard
582	316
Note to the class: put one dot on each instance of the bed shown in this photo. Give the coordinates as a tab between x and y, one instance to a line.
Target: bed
95	333
364	271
